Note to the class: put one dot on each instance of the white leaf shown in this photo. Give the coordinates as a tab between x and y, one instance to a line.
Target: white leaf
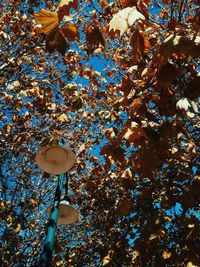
65	2
118	23
183	103
124	19
195	106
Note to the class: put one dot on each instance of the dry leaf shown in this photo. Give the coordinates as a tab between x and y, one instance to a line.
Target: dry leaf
179	45
56	41
94	38
140	46
59	263
190	264
62	118
65	2
133	133
125	19
64	7
49	20
113	153
166	255
70	32
108	258
125	207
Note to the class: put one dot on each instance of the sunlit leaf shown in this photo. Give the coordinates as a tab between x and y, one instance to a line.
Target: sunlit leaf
108	257
166	255
62	118
49	20
125	19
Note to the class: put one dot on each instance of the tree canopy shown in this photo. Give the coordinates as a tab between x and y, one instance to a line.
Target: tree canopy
119	82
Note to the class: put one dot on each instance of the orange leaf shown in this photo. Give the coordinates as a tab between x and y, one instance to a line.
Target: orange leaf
49	20
70	32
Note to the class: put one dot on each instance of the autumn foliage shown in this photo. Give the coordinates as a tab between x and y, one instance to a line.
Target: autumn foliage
119	82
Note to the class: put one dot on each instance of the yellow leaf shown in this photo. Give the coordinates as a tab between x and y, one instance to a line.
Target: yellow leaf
108	258
190	264
166	255
32	201
55	132
59	263
62	118
2	205
9	219
18	228
49	20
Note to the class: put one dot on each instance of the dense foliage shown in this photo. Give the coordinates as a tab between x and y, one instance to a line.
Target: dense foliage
119	82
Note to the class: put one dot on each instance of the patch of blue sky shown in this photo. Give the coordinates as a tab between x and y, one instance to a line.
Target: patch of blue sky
156	204
176	210
124	116
22	111
8	117
194	211
95	63
170	119
131	241
165	165
155	8
129	150
95	150
194	170
151	104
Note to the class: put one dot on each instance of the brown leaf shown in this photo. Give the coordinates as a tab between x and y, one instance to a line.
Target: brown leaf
93	38
133	133
70	32
113	153
125	207
192	89
179	45
49	20
140	46
55	41
168	73
166	1
64	7
148	161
